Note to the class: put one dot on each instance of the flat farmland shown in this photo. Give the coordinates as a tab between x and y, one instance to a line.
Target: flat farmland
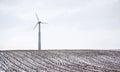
60	61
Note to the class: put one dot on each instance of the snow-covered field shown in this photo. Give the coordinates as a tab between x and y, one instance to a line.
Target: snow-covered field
60	61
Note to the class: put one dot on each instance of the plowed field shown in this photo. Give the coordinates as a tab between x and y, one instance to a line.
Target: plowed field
60	61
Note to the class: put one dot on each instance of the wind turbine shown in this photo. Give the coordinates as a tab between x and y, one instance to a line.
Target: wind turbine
39	31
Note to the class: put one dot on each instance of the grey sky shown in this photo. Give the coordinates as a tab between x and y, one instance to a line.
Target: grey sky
78	24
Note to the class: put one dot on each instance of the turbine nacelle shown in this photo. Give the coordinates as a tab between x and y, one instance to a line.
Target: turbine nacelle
42	22
39	22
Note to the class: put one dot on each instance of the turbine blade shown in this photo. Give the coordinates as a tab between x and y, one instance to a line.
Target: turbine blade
35	26
37	17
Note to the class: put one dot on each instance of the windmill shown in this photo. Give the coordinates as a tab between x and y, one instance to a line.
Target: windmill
39	31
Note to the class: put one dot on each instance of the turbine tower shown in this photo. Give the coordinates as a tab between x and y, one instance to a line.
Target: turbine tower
39	31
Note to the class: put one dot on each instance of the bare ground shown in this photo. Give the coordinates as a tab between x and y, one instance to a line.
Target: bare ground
60	61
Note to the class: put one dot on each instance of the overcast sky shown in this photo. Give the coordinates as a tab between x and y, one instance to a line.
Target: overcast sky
72	24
